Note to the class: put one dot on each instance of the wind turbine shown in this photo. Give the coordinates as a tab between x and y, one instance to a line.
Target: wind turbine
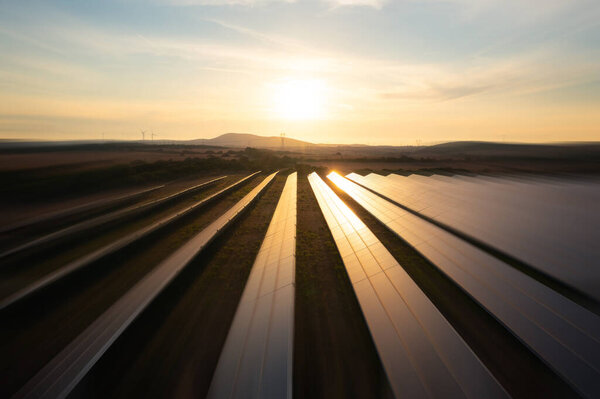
143	135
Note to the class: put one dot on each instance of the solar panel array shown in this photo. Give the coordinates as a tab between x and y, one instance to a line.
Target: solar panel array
422	354
549	224
563	334
103	219
256	360
78	209
67	368
111	248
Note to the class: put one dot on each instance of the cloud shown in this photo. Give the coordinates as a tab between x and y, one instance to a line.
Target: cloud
263	37
221	2
436	92
514	76
378	4
515	11
379	79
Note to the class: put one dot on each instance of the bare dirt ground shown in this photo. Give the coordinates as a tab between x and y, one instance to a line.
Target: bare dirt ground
334	355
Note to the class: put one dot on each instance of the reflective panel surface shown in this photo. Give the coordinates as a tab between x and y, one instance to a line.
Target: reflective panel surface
68	367
256	360
562	333
550	224
422	354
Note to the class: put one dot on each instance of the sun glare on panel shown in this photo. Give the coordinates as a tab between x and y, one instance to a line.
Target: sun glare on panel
299	99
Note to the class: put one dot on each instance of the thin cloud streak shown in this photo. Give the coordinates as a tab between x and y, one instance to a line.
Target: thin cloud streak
430	82
377	4
221	2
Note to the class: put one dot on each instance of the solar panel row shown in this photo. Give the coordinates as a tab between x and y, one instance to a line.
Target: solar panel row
103	219
111	248
256	360
75	210
550	225
560	332
58	378
573	313
422	354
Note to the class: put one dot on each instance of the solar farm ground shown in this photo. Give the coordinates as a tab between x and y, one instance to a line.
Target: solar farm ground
172	348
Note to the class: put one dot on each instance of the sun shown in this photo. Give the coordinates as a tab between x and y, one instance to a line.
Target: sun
299	99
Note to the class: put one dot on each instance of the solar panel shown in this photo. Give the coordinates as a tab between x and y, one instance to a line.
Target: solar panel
101	220
422	354
67	368
549	224
78	209
256	360
560	332
110	248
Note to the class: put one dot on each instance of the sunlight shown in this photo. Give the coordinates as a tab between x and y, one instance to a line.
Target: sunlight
297	99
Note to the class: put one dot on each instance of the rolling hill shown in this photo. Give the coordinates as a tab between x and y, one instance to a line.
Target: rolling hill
252	140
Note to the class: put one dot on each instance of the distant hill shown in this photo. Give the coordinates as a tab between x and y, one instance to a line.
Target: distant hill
252	140
514	150
451	150
456	150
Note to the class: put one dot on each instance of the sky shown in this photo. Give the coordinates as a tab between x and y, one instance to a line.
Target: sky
326	71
